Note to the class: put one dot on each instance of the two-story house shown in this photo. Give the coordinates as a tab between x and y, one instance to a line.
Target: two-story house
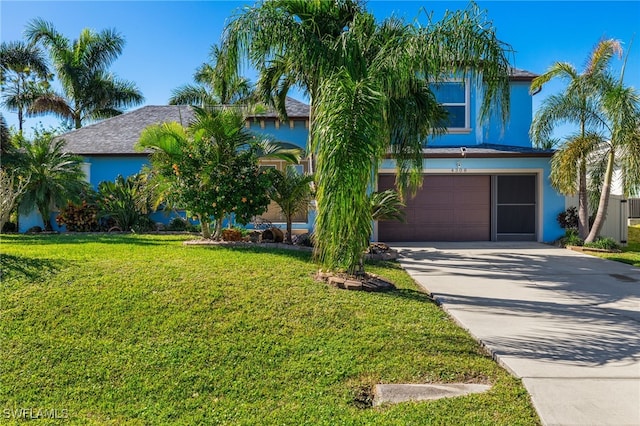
482	182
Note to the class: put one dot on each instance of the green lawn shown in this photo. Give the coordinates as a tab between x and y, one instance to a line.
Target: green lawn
143	330
631	253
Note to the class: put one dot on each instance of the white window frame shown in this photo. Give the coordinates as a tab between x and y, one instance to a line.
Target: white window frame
466	105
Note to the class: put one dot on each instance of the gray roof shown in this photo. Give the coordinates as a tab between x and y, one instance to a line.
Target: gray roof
516	74
118	135
485	150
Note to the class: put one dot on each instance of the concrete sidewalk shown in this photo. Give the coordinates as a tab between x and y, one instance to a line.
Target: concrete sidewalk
568	324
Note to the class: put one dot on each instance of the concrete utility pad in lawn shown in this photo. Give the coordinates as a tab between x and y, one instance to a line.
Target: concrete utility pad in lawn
567	323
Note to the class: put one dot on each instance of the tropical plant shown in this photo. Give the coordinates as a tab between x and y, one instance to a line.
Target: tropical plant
90	92
55	176
621	147
212	86
581	105
603	243
292	192
211	167
123	201
370	93
81	217
387	205
24	76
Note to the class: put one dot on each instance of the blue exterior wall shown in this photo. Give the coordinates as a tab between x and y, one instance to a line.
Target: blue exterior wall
108	167
283	133
513	133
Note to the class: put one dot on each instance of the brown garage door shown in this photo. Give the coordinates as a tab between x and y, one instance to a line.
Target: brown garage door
447	208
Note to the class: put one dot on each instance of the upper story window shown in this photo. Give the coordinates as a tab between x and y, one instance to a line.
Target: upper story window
454	97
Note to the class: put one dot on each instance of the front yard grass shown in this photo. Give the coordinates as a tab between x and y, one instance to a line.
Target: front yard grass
134	329
631	252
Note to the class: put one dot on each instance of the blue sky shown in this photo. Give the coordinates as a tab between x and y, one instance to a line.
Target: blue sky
167	40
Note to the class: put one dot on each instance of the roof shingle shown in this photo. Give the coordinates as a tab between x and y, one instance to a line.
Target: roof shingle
118	135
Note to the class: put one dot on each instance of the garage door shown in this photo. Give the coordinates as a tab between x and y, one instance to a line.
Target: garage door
447	208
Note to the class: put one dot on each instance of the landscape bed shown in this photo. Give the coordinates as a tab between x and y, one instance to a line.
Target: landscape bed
130	329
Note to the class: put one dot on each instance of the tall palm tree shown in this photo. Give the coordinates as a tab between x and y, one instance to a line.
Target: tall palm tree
369	89
621	147
90	92
291	191
55	176
24	76
580	104
212	86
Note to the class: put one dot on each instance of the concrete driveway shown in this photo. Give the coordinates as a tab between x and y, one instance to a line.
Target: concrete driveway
566	323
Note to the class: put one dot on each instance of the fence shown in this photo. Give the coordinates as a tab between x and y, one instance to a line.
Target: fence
615	226
634	208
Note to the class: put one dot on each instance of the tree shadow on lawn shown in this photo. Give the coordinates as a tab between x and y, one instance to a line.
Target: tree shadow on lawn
90	237
16	267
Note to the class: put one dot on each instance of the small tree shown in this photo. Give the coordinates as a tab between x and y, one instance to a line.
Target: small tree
11	189
211	167
55	176
292	192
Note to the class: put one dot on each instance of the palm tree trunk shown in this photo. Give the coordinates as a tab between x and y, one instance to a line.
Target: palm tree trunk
603	205
583	202
289	230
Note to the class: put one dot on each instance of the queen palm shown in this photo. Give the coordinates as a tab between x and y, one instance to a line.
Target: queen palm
24	75
369	89
212	87
581	105
291	191
89	91
54	176
621	147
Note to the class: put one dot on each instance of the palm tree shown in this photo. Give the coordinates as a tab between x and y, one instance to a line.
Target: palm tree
291	191
24	75
621	111
369	89
90	92
212	87
55	176
580	104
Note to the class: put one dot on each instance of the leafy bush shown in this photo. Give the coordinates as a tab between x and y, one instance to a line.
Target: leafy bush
123	200
9	227
305	240
571	238
568	219
231	234
604	243
177	224
79	218
143	224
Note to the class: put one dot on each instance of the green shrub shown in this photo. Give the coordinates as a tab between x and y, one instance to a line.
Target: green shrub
568	219
571	238
79	218
604	243
143	224
177	224
123	200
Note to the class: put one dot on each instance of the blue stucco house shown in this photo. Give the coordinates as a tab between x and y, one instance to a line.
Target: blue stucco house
481	182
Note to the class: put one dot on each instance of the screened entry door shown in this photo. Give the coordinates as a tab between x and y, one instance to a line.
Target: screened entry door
515	208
